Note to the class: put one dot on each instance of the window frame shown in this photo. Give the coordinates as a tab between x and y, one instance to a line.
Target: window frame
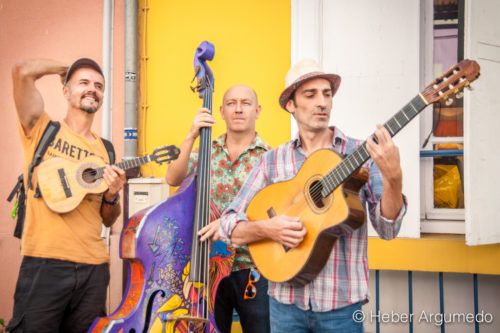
435	220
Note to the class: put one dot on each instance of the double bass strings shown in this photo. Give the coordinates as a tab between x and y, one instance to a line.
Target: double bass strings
201	254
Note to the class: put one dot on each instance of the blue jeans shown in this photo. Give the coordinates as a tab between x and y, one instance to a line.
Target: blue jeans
287	318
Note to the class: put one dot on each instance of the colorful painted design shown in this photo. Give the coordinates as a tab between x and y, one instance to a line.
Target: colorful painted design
227	178
157	243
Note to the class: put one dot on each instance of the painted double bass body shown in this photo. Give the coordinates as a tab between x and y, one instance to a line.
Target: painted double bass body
157	244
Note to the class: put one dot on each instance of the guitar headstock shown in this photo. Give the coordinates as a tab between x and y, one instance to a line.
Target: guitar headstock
452	82
165	154
203	76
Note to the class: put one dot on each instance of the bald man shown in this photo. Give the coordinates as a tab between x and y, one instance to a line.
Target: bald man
234	154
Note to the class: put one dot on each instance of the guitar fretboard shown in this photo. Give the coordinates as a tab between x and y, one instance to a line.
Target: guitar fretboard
127	164
351	163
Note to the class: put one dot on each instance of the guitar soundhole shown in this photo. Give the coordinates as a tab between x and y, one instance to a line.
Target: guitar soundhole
89	175
315	192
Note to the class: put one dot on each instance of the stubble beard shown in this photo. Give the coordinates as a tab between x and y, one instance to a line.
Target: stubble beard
87	108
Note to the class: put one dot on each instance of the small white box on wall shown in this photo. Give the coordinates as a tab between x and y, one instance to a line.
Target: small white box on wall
145	192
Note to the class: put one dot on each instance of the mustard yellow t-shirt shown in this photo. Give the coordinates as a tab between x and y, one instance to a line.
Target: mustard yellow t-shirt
73	236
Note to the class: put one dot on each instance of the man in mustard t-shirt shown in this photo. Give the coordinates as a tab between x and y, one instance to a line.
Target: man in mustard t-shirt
65	269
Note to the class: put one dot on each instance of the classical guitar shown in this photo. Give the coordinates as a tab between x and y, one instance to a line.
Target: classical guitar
326	199
64	183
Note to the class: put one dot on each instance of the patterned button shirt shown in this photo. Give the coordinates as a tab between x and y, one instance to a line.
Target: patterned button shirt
228	176
344	279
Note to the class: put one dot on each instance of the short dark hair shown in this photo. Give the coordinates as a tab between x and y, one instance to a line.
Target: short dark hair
82	63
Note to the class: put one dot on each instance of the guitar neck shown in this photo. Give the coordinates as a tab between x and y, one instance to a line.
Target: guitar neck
127	164
352	162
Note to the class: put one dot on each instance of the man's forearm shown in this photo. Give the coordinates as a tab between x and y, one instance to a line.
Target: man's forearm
110	213
28	100
36	68
247	232
177	170
392	198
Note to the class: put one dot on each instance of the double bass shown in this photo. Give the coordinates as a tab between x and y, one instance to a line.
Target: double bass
173	277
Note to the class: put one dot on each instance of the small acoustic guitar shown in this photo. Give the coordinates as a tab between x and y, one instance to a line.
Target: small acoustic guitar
64	183
327	200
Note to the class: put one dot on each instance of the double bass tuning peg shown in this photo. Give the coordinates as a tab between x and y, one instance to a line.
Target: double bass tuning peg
197	86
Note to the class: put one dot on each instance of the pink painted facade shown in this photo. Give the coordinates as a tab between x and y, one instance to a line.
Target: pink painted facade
62	30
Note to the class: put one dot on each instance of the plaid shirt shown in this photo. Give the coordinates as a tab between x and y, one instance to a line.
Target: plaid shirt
344	279
227	177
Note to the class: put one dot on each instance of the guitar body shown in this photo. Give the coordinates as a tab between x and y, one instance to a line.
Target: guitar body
337	214
62	183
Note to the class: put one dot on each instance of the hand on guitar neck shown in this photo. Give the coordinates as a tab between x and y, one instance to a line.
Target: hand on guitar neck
385	154
116	179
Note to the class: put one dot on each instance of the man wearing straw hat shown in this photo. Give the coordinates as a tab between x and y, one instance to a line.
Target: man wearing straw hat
332	301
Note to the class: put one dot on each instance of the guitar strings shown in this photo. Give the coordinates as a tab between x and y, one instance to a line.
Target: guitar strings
342	171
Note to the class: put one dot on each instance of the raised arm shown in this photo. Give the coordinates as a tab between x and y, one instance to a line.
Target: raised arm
178	169
28	100
385	154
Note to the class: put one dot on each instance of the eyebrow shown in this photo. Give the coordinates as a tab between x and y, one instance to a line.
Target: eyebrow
236	99
315	90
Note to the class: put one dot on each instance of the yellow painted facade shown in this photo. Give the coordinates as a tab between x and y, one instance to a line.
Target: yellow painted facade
252	46
433	253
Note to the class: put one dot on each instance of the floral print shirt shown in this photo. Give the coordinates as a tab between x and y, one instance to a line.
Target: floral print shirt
227	177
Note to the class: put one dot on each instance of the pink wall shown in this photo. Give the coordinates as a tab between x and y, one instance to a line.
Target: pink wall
62	30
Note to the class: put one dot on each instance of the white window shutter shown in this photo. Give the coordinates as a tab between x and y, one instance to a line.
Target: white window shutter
482	124
374	46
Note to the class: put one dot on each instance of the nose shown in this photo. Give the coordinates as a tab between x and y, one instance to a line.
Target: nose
321	101
239	107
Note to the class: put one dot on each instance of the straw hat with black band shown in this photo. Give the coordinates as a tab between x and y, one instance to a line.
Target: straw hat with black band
304	70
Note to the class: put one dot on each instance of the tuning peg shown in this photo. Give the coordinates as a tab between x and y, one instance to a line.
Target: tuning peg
470	88
448	101
459	94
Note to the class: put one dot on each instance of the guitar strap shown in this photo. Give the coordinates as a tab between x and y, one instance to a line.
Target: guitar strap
20	205
110	149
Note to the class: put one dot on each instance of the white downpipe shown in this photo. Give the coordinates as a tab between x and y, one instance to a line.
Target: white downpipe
107	67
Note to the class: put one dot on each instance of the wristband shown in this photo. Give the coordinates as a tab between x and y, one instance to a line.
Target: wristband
111	203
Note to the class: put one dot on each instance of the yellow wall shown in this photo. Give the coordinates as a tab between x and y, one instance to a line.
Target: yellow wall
433	253
252	46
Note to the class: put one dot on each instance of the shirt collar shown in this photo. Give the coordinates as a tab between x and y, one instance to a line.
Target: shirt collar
257	142
338	137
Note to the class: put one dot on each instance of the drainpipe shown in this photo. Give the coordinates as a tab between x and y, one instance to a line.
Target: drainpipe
107	67
130	117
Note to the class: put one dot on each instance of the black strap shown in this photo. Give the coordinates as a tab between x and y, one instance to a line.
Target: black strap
17	187
110	149
48	135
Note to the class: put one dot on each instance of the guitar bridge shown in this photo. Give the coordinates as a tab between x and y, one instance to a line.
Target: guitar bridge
64	183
